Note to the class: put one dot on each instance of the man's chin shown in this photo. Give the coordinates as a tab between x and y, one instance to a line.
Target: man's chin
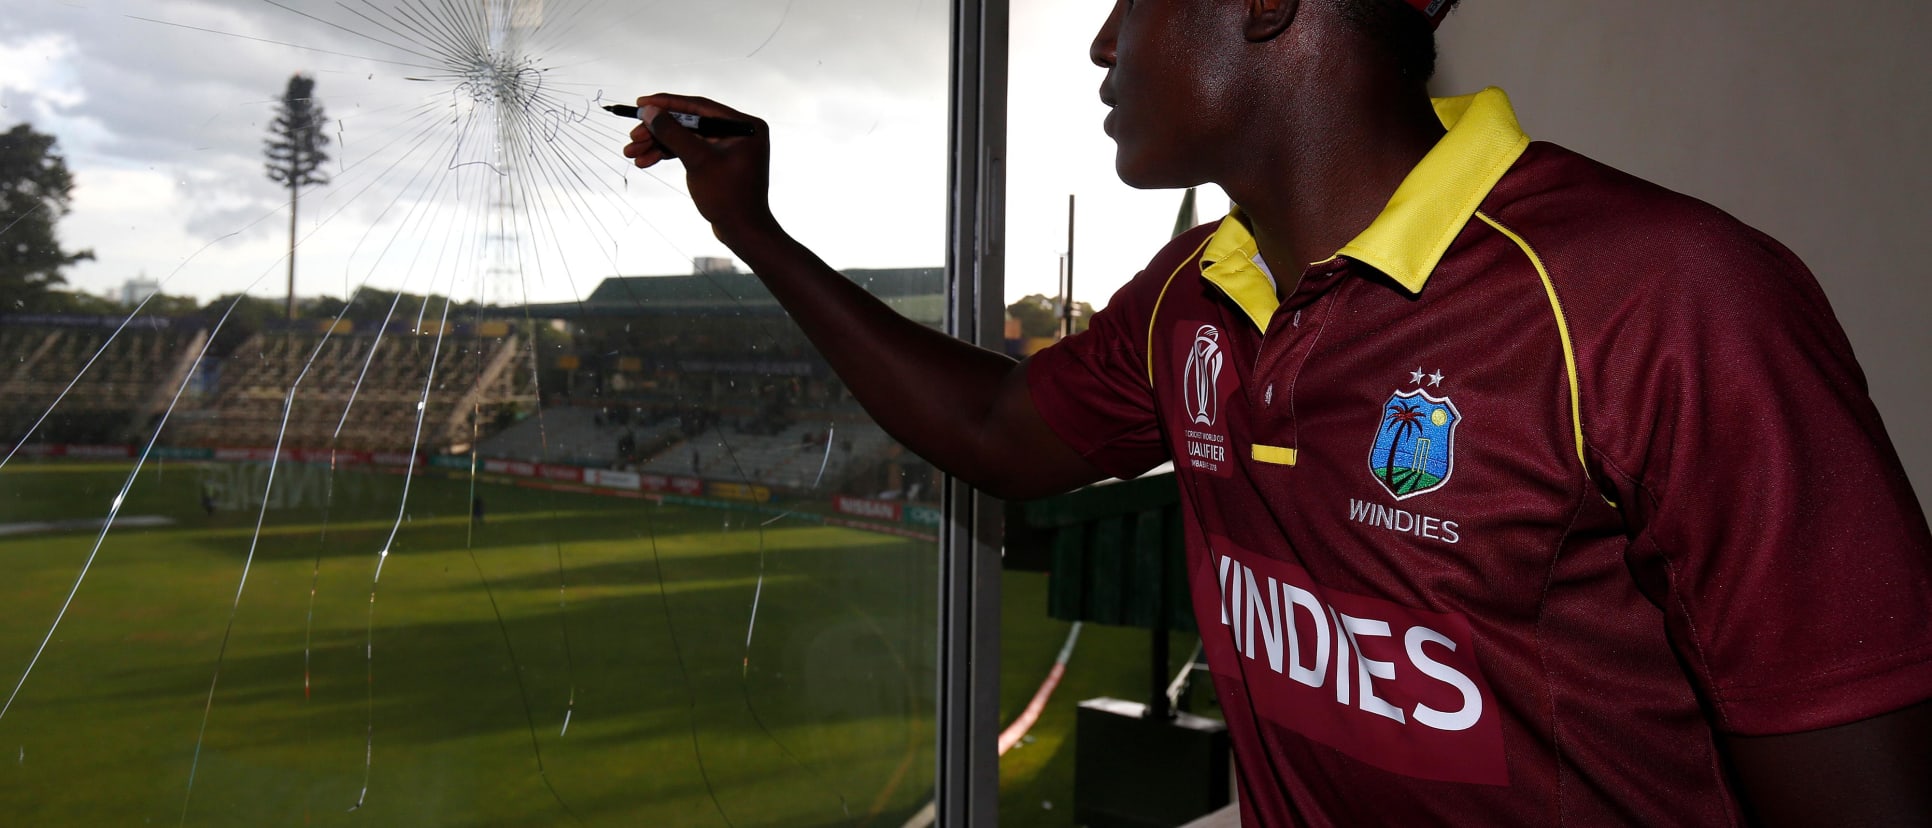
1143	177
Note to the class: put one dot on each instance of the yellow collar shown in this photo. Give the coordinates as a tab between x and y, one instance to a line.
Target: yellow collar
1421	220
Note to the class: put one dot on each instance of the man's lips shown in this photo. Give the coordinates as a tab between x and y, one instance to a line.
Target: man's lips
1113	103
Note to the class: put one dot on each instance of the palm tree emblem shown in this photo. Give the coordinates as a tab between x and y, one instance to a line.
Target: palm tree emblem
1413	443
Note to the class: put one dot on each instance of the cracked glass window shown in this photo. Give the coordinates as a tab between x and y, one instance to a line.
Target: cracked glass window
377	446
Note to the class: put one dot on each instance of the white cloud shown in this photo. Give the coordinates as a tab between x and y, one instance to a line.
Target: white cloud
38	86
162	105
855	91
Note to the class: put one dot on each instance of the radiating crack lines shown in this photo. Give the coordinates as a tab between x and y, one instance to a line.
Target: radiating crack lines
684	673
114	510
493	127
228	629
127	486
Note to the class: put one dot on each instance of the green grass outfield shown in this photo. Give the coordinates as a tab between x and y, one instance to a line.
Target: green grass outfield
831	724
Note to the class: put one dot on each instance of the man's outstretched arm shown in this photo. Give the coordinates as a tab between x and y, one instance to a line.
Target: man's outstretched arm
965	409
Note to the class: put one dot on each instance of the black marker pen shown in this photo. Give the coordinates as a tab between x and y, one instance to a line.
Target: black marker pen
704	125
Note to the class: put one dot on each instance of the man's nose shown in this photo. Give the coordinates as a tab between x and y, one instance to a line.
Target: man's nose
1102	50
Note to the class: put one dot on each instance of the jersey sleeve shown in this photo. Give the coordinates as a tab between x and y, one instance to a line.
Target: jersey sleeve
1769	514
1093	388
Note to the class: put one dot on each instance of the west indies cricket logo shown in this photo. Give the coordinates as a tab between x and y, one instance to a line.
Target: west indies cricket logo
1414	451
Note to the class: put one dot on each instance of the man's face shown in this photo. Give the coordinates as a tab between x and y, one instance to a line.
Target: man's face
1169	84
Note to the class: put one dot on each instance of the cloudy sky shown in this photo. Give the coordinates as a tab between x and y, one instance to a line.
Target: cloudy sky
161	107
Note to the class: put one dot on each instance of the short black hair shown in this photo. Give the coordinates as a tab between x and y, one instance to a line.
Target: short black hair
1402	31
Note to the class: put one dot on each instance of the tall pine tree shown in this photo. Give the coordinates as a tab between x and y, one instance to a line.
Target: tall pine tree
35	190
295	154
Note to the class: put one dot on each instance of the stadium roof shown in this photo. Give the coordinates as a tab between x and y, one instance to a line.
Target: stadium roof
917	292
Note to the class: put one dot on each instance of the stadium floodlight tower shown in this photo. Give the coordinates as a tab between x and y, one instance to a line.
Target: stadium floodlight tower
510	81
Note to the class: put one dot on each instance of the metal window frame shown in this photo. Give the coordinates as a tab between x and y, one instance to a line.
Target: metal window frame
966	787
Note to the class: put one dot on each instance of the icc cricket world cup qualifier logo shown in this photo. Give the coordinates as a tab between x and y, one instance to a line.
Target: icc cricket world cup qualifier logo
1202	376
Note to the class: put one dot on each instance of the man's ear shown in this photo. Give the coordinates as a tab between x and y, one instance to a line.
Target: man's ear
1267	19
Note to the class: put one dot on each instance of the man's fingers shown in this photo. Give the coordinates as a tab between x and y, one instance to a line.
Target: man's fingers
643	150
671	137
643	158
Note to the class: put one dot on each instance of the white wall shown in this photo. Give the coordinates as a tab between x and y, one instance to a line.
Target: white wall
1811	121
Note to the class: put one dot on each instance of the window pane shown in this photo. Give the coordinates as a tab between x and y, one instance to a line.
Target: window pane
538	510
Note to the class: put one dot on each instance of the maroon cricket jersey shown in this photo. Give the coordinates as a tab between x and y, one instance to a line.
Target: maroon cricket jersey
1546	479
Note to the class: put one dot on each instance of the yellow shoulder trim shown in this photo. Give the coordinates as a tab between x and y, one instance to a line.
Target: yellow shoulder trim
1193	258
1436	199
1562	333
1276	455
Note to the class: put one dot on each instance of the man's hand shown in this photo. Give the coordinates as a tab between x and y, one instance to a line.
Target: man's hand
729	178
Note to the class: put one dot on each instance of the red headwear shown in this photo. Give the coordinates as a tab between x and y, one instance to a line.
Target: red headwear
1435	9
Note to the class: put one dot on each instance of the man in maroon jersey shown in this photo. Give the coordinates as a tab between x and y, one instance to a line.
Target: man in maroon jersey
1544	495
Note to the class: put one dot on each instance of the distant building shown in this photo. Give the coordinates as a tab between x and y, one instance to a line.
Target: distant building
135	290
703	265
